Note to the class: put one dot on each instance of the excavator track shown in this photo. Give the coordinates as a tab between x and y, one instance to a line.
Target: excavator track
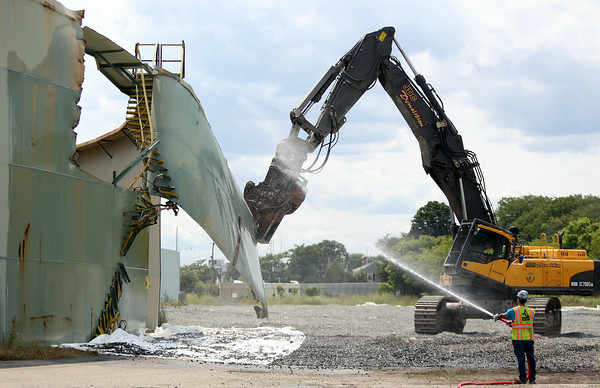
432	316
548	316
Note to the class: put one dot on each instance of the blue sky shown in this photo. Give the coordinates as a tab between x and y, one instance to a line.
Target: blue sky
518	79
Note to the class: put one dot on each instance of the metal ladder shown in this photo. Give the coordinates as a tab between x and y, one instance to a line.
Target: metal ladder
139	124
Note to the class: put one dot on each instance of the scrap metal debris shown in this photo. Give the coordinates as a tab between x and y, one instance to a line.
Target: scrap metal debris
251	346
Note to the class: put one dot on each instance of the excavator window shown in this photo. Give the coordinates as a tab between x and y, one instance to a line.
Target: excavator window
487	247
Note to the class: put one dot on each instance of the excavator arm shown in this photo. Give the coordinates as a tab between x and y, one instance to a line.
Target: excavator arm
453	168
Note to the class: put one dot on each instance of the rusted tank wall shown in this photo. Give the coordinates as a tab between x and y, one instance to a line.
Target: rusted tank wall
105	157
60	228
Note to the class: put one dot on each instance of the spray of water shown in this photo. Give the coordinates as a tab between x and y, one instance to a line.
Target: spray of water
398	263
432	283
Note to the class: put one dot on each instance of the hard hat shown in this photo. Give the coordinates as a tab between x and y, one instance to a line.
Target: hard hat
523	294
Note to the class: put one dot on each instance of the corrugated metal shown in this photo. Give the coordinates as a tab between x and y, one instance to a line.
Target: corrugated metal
199	172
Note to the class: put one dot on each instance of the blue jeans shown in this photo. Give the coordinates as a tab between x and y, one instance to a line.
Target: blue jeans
523	348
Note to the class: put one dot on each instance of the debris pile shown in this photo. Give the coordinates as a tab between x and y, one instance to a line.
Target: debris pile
250	346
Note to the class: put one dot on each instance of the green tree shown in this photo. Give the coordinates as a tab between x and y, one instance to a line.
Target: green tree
193	274
273	268
355	260
512	209
535	215
594	252
433	219
231	273
336	273
312	291
187	280
280	291
423	254
387	243
360	277
308	264
579	234
400	281
385	288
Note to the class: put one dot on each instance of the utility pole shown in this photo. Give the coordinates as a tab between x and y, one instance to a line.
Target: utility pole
212	263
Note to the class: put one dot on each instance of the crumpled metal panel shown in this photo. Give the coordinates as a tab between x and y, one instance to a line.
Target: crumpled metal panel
60	229
199	172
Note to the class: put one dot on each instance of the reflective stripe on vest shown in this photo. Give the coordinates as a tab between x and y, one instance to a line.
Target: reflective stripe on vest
522	327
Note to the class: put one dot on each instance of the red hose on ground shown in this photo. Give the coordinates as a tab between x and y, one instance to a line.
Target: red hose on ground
464	384
486	383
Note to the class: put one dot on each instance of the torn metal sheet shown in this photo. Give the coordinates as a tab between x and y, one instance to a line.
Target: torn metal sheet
112	60
198	170
247	346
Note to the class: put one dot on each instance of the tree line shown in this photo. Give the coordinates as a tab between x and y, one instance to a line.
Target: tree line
423	248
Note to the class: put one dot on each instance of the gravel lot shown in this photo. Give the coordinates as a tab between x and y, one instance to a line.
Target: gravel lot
369	337
344	346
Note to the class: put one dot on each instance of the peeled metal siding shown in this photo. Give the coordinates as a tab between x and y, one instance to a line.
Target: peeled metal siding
60	229
199	171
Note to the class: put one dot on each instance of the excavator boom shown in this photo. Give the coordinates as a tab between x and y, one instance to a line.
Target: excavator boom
453	168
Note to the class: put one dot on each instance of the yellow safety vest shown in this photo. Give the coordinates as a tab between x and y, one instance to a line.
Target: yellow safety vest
522	327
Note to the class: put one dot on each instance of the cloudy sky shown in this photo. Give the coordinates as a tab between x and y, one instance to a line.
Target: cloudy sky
518	79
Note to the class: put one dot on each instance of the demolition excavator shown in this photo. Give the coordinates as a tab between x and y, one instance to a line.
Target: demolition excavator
486	262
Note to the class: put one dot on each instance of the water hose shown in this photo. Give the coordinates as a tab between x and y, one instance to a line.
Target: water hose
486	383
464	384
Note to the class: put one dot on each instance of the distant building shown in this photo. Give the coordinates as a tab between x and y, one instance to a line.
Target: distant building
325	289
235	290
370	269
292	288
337	289
219	265
169	274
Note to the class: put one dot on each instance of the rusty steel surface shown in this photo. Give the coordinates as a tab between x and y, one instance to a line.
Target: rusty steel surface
272	199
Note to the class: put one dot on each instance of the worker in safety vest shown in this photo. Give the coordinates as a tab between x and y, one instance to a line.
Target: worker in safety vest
522	318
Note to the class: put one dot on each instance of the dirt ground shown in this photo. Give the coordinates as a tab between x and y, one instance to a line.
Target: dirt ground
110	371
345	346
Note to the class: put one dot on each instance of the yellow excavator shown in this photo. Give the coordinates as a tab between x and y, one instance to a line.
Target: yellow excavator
486	262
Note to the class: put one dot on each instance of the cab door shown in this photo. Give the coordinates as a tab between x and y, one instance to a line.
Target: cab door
499	264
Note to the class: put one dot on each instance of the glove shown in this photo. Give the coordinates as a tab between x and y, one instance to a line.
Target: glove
496	317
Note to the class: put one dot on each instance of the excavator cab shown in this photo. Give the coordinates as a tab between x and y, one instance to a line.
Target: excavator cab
480	249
